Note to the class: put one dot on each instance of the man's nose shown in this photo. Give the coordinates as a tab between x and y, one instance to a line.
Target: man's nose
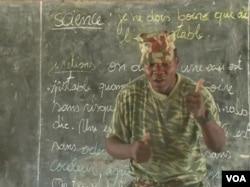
158	67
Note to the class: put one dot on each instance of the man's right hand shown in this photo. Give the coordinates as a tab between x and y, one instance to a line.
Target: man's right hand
140	151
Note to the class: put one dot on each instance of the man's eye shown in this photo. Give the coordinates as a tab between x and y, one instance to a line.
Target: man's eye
165	64
151	65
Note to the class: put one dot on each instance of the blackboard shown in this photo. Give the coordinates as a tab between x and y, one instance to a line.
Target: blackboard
63	62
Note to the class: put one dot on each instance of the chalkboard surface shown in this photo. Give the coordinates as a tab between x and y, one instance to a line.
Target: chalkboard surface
19	93
63	62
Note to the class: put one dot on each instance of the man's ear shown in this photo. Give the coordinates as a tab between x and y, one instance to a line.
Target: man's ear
177	61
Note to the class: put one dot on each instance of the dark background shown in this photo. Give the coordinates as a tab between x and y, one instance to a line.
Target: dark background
59	78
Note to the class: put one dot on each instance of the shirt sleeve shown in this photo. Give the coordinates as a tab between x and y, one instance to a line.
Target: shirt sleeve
119	126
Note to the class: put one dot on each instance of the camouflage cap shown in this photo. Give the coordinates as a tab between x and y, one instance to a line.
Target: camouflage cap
156	47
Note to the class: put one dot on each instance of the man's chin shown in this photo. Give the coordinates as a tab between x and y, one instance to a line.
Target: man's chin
158	86
158	82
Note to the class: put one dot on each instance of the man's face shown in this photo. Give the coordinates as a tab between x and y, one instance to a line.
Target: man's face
161	75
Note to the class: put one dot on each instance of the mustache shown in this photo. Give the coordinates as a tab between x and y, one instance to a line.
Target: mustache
158	76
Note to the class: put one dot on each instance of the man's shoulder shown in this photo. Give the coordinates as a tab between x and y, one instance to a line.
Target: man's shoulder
136	85
138	82
186	81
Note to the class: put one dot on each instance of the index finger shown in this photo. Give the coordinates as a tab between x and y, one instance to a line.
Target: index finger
199	85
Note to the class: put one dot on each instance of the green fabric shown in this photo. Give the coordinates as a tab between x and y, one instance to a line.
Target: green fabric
199	184
174	133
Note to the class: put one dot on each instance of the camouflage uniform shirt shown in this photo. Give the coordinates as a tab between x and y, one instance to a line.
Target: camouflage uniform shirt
174	133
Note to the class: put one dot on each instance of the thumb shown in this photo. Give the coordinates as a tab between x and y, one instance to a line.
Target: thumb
199	84
146	137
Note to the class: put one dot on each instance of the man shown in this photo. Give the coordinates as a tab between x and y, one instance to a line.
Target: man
159	117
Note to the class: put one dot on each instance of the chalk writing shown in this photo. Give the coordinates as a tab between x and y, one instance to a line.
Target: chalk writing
243	133
94	150
156	18
107	129
63	147
226	129
76	166
136	17
136	68
68	86
73	166
212	155
243	13
201	16
226	88
183	29
211	67
70	66
84	127
8	51
219	15
95	107
188	33
74	20
58	182
65	107
234	110
60	124
109	87
113	66
88	184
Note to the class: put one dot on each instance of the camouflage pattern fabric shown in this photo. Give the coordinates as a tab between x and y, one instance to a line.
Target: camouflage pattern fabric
174	133
174	183
156	47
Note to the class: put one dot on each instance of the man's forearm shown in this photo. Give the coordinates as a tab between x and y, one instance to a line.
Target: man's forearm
214	136
117	149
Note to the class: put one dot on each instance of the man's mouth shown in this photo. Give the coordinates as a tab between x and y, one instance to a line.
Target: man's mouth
158	78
